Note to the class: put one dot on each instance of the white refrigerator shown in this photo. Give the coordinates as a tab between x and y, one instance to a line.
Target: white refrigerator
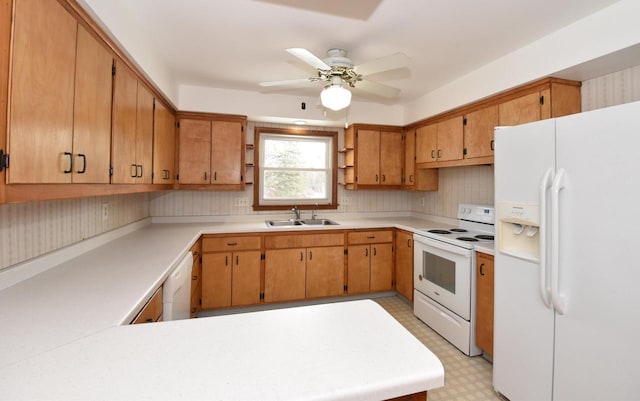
567	262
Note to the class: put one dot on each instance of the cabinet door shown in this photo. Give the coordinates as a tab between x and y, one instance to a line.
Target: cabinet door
92	111
284	274
391	161
358	262
410	159
484	303
42	85
368	157
325	272
144	135
404	264
216	280
521	110
381	267
164	145
478	132
450	139
226	152
195	152
426	144
123	139
246	278
196	279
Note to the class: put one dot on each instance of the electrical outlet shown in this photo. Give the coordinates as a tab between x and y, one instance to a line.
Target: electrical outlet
240	202
105	211
344	201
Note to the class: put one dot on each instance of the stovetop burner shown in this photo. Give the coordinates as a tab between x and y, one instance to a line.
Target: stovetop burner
439	231
459	230
484	236
467	239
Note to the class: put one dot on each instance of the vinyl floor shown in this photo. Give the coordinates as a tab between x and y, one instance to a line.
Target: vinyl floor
466	378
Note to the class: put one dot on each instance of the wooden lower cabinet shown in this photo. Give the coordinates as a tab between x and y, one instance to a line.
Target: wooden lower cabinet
284	274
196	279
404	264
325	272
484	302
230	271
370	261
152	311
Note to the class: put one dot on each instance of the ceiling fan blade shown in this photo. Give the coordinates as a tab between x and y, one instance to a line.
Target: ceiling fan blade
308	57
286	82
392	62
378	88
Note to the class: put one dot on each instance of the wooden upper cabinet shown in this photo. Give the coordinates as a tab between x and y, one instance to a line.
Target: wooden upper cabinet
439	142
123	136
521	110
368	157
92	110
42	89
144	135
212	151
195	151
426	144
391	158
227	152
478	132
379	160
164	145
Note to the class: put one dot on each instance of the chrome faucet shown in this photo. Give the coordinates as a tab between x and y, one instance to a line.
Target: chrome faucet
314	214
296	211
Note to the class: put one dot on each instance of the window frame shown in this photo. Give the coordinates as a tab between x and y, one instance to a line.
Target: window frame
257	172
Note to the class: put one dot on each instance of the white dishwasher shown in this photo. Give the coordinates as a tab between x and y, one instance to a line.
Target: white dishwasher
176	291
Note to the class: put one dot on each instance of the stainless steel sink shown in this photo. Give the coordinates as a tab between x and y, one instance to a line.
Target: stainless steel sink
319	222
307	222
283	223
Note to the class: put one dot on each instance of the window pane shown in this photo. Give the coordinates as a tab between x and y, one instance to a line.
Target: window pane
295	184
285	153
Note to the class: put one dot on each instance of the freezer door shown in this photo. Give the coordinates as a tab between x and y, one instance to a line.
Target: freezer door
523	325
596	339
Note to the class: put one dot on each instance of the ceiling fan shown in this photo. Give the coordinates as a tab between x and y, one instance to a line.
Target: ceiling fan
337	71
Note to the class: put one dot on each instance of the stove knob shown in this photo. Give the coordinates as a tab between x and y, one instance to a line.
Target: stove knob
420	277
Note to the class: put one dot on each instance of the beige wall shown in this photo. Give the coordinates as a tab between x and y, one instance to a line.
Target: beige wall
32	229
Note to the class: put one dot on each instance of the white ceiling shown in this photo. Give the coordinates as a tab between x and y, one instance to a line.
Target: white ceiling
235	44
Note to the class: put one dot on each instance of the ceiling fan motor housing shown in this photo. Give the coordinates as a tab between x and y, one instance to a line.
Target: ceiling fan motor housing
338	58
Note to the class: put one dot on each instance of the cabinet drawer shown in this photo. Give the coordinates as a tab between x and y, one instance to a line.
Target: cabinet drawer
304	240
370	237
152	311
222	244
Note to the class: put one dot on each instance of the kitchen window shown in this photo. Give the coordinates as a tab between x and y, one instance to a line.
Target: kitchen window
295	168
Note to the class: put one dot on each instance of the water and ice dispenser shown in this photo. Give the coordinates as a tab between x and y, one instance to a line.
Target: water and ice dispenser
519	226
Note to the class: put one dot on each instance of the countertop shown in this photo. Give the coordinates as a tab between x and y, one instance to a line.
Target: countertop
98	290
343	351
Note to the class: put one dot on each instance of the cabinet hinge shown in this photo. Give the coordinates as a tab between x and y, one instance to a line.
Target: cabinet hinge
152	175
200	301
177	124
154	104
346	251
356	178
241	129
4	160
542	99
110	170
113	70
262	295
464	151
464	121
263	256
346	288
177	177
241	178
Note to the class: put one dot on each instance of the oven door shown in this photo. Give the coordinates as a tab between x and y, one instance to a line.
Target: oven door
443	273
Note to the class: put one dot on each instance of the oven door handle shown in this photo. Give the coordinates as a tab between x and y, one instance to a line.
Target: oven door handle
439	246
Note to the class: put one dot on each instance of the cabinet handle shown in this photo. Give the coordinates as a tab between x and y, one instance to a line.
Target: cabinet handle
149	320
139	175
376	177
215	176
166	174
374	252
193	310
491	144
420	277
310	255
482	269
411	178
384	178
439	153
232	243
195	255
366	251
237	260
205	175
409	243
301	256
134	174
226	260
194	278
371	237
433	153
84	163
70	162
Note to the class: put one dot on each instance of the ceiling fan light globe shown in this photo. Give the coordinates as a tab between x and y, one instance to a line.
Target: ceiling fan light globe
335	97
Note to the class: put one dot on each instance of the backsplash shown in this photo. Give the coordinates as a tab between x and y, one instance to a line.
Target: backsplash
31	229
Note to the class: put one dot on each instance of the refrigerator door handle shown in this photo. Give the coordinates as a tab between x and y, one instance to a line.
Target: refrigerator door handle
559	183
545	184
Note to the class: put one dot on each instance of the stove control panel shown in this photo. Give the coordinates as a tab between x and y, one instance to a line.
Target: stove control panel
476	213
